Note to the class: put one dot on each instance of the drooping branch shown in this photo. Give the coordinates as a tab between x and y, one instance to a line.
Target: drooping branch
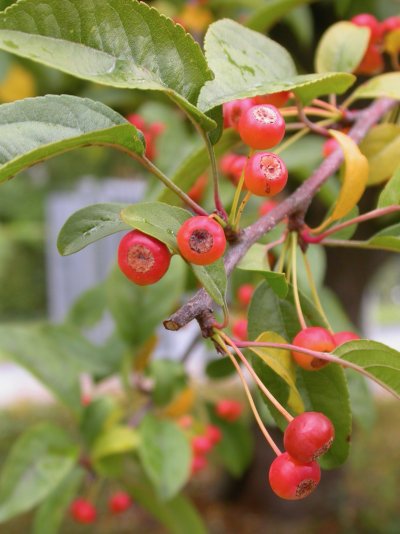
297	203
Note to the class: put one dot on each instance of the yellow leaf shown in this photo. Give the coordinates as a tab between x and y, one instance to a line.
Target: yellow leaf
280	361
181	404
116	440
392	42
382	147
354	181
18	83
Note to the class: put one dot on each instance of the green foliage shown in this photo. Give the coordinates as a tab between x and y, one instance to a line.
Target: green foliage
341	48
51	512
213	279
36	129
391	192
88	225
246	64
165	455
386	85
169	378
267	14
40	459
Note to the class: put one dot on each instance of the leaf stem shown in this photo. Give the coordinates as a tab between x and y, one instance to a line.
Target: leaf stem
173	187
322	355
379	212
300	315
281	263
314	291
214	170
241	208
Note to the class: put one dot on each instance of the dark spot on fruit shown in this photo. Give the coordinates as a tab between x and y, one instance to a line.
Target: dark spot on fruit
305	487
271	169
322	450
265	115
140	258
201	241
317	363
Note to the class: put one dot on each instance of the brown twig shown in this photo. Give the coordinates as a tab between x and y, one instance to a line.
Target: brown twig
297	203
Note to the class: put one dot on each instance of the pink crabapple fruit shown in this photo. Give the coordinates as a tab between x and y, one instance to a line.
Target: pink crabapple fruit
245	294
291	479
143	258
214	434
83	511
119	502
228	409
314	338
233	110
201	240
239	329
342	337
265	174
308	436
261	127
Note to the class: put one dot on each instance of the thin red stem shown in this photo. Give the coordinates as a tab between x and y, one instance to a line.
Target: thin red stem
316	354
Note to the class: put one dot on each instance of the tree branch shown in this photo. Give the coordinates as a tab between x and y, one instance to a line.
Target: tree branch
296	204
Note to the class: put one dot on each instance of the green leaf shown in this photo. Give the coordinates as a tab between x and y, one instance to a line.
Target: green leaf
88	308
361	399
157	219
255	260
52	511
220	369
269	13
246	63
391	192
341	47
118	43
381	361
269	313
138	310
387	239
195	164
326	392
40	459
235	450
169	378
98	416
385	85
35	129
177	514
115	440
381	147
165	455
55	355
281	362
213	279
90	224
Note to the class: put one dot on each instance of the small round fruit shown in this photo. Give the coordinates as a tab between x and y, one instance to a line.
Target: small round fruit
230	410
314	338
308	436
261	127
366	20
142	258
293	480
119	502
201	445
244	294
239	329
342	337
198	464
266	207
232	166
372	62
201	240
83	511
232	111
390	24
214	434
274	99
265	174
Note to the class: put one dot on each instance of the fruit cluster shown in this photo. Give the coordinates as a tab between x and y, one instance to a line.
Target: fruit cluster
83	511
372	61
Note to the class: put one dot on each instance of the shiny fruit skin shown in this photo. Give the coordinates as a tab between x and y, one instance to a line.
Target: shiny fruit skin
201	445
261	127
201	240
239	329
83	511
265	174
119	502
274	99
308	436
342	337
142	258
230	410
314	338
293	480
233	110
